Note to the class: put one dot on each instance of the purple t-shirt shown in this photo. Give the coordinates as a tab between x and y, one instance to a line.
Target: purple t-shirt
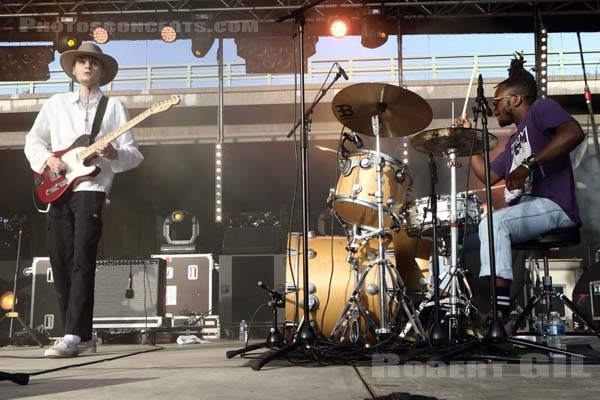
533	133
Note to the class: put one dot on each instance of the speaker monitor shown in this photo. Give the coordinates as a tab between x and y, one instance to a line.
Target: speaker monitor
240	296
112	309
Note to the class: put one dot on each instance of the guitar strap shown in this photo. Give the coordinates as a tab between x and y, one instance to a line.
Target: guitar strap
98	118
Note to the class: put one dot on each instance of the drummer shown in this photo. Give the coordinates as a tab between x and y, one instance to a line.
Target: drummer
537	169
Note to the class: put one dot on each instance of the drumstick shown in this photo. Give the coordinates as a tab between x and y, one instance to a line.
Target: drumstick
483	189
464	113
326	149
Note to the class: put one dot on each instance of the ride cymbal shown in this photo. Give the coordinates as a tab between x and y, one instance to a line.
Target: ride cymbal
402	112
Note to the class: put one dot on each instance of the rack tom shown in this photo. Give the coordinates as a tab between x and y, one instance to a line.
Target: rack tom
354	198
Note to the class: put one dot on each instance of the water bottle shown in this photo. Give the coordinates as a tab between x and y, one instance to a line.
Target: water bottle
243	331
555	333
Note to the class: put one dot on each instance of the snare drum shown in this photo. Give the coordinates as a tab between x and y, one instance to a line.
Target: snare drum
417	214
354	197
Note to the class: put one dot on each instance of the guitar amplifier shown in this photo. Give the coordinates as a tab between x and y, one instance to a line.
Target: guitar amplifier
111	308
189	288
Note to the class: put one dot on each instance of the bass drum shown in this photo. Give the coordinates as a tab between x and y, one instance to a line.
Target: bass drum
332	280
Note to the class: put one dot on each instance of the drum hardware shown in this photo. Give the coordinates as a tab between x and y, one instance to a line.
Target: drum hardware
459	304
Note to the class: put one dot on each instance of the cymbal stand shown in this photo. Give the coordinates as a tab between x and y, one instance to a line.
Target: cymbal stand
455	317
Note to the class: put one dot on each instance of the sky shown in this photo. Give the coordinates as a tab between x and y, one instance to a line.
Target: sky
156	52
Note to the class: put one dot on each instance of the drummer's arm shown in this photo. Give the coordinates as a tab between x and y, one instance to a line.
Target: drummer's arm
478	166
477	161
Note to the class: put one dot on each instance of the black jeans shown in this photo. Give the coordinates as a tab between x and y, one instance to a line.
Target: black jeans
74	230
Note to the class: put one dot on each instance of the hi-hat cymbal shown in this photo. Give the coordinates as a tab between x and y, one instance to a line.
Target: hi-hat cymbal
402	112
466	141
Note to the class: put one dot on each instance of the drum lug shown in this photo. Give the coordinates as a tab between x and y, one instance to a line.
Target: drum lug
290	287
390	202
312	254
372	289
356	189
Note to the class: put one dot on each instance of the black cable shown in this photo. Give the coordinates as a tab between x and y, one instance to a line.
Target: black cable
364	382
95	362
332	236
252	320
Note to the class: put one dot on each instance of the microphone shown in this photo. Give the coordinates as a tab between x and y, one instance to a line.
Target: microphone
341	71
481	98
354	138
272	292
129	291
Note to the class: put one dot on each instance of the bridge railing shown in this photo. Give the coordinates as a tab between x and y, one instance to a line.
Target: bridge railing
382	69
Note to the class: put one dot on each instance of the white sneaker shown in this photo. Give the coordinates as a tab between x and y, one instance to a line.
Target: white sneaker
62	349
88	347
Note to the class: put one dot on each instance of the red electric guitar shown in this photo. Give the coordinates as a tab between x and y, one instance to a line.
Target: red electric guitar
49	186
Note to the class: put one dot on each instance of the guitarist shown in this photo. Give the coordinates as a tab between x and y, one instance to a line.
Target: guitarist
75	218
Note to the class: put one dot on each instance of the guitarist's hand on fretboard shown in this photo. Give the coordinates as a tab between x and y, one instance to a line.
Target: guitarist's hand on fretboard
108	151
56	165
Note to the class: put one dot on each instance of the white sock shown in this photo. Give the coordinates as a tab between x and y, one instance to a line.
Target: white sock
72	339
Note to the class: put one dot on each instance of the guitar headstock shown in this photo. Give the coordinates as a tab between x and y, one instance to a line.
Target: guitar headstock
165	104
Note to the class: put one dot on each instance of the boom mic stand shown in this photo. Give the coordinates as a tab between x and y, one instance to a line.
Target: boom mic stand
12	314
305	335
275	338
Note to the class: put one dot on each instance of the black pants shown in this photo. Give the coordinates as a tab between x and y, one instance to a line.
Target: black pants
74	230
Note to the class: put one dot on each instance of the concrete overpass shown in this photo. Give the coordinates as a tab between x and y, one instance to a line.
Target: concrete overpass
260	113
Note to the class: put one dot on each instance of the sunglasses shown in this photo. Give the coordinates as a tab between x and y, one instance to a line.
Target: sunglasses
496	100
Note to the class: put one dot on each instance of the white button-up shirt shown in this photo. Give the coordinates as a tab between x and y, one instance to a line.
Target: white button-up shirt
62	120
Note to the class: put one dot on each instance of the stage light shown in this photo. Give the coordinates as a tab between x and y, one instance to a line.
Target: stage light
274	55
66	42
100	35
218	180
541	61
180	230
201	45
25	63
372	34
168	34
338	27
7	301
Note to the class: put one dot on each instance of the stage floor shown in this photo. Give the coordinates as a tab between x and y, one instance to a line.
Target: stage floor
201	371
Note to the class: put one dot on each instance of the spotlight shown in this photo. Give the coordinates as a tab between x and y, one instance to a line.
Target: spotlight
180	230
338	27
168	34
100	35
372	34
6	301
65	43
202	45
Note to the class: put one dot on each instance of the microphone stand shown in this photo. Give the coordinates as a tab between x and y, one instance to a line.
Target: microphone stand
305	336
588	100
438	334
275	338
314	104
496	330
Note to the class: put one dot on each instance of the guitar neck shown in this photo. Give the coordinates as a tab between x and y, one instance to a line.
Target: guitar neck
91	149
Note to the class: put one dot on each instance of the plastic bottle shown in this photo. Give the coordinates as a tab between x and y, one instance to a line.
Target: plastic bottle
243	331
555	333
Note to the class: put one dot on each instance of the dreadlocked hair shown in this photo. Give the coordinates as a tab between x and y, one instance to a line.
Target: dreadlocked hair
520	80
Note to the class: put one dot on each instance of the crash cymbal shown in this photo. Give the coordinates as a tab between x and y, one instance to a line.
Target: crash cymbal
402	112
438	141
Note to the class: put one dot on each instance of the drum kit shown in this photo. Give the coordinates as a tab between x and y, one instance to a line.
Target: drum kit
364	297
